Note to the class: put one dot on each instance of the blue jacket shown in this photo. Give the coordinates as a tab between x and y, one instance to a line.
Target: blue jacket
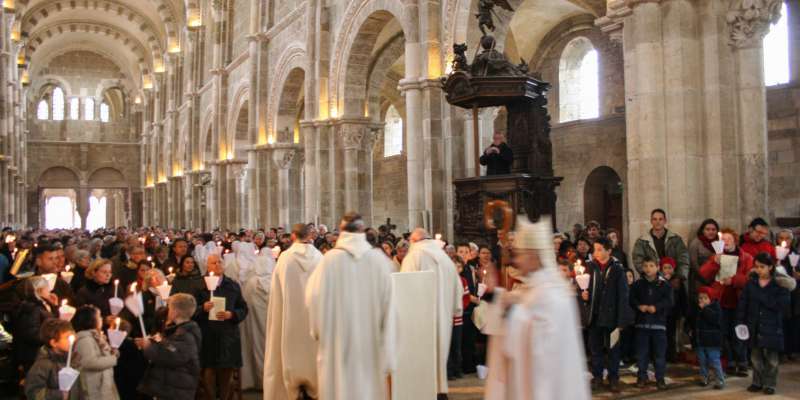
608	296
657	293
761	309
708	329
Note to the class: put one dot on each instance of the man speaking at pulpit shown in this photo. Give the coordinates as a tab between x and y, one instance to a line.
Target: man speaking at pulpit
498	157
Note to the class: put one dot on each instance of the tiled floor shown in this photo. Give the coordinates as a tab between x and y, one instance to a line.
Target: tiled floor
682	386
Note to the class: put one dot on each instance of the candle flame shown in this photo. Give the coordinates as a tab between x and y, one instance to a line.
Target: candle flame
210	274
116	281
783	243
71	339
67	268
117	322
170	270
133	287
64	303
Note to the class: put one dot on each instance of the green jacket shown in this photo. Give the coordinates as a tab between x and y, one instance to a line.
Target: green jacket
41	383
674	247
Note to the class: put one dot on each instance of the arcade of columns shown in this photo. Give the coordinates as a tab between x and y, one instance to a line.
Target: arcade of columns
695	113
214	151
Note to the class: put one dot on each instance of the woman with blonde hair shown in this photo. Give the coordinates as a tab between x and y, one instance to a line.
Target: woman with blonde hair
99	287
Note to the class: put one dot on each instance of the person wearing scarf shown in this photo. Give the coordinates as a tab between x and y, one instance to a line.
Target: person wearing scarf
727	291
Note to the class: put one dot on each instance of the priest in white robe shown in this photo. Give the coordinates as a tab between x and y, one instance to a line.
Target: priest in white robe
426	254
291	352
256	293
349	298
539	354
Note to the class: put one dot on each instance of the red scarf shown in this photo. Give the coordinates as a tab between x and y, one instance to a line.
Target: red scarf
706	243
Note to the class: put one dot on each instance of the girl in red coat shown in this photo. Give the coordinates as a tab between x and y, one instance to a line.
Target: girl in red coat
727	291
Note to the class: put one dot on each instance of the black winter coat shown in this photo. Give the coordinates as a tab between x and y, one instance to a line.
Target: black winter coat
609	296
708	328
191	283
761	309
174	364
222	342
129	371
27	321
498	164
97	295
657	293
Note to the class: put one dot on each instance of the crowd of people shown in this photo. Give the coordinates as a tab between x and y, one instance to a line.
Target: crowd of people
729	297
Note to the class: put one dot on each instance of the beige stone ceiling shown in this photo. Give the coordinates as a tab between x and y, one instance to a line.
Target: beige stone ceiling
533	19
128	32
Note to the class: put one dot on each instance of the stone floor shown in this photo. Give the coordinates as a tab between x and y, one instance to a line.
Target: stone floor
681	386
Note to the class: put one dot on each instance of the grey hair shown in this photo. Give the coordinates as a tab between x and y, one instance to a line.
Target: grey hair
149	276
37	282
184	305
81	254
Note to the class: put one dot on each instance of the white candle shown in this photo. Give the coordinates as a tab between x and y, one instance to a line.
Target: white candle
719	234
116	287
783	243
133	288
116	323
69	354
438	236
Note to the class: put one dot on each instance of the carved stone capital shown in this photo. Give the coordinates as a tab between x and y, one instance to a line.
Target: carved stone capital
283	157
352	135
612	23
749	20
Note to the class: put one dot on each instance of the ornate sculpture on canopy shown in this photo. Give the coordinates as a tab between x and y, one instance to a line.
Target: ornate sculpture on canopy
491	80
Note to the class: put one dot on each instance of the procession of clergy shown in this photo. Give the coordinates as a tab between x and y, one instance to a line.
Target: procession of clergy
348	324
344	299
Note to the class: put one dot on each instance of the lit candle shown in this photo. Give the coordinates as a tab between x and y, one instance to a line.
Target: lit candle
719	234
116	323
438	236
69	354
116	287
783	243
170	270
149	258
133	288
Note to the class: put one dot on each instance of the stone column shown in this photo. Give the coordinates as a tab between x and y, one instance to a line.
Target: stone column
283	158
82	200
748	23
351	136
310	171
414	141
4	190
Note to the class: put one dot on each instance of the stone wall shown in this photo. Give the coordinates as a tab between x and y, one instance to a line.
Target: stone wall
783	106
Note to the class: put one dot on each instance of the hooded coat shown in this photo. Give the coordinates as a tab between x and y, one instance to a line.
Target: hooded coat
174	369
673	247
290	361
352	318
256	294
96	366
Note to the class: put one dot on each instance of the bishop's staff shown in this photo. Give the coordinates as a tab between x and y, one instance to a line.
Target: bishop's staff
502	236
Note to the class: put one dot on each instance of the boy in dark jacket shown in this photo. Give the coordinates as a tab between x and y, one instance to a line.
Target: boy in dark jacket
609	313
761	309
651	297
42	379
708	337
174	360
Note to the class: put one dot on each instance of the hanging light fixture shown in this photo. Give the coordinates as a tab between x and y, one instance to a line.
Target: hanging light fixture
9	6
16	34
24	77
194	18
158	63
147	82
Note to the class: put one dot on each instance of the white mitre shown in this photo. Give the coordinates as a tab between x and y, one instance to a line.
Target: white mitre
536	236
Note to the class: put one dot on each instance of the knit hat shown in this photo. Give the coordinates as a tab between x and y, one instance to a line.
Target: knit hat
705	290
670	261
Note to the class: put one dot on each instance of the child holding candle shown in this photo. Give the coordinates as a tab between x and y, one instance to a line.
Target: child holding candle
651	296
174	368
37	306
41	381
761	308
98	358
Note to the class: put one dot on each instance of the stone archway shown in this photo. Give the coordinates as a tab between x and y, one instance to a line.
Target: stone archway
108	188
603	198
54	182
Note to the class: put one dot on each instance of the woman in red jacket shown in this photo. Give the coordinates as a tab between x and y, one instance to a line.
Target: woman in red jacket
727	291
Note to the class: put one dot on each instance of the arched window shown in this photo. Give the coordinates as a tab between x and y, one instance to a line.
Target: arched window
88	109
578	86
392	133
776	52
42	110
103	112
74	108
58	104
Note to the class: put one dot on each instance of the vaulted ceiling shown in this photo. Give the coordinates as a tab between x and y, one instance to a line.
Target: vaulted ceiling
128	32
